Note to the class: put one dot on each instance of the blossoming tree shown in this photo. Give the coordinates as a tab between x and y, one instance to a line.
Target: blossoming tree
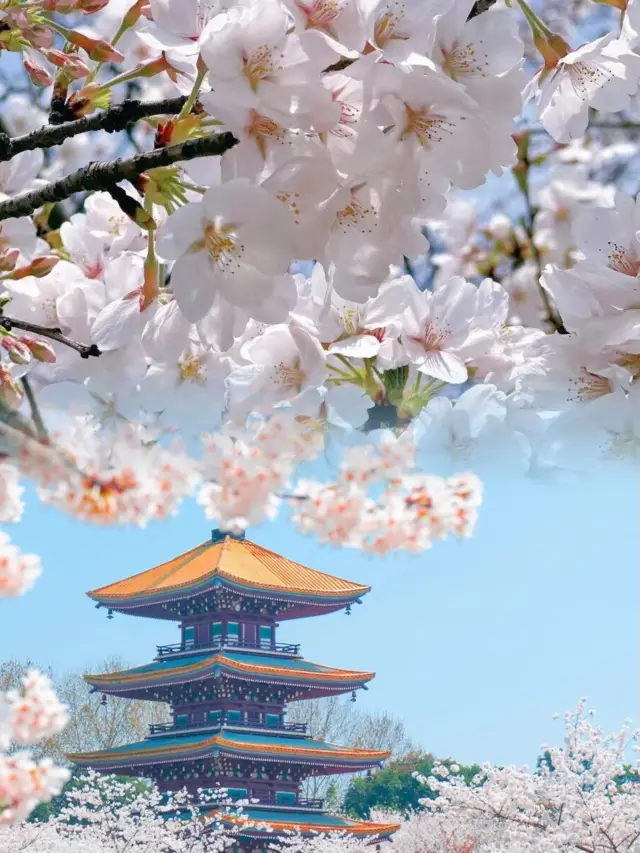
214	220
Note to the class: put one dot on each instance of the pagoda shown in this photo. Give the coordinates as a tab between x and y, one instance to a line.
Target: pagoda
228	681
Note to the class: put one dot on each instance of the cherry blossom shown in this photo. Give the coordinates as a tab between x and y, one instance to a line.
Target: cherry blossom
221	246
438	333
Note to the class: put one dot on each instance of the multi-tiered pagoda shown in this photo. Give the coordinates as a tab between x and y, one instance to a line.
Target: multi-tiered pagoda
228	682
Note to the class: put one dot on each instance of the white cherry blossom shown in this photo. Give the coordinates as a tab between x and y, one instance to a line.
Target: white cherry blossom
233	243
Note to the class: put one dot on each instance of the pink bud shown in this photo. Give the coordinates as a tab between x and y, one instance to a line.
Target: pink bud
105	52
147	12
11	393
17	18
74	67
62	6
38	73
43	265
40	350
91	6
56	57
15	349
98	50
40	36
8	259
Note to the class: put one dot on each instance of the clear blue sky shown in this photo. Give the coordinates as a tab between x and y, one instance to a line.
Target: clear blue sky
475	644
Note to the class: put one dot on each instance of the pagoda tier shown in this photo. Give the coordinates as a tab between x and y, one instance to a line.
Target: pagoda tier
228	683
229	573
308	823
228	755
228	675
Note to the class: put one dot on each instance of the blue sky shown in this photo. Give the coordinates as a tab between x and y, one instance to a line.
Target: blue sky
475	643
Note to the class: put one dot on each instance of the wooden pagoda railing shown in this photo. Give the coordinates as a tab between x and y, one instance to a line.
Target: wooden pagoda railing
164	728
300	802
226	643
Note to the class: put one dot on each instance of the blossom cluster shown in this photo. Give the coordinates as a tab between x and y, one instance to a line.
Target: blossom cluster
585	794
27	716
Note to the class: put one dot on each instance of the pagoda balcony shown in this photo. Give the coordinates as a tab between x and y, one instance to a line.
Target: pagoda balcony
297	803
227	643
172	728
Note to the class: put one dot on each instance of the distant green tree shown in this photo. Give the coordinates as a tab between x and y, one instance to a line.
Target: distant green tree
395	787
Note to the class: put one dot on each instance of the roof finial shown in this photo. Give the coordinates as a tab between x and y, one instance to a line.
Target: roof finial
221	535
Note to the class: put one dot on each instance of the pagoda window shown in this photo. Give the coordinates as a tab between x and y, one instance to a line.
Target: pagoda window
266	636
189	636
285	798
233	633
214	718
272	720
237	793
216	633
234	716
182	719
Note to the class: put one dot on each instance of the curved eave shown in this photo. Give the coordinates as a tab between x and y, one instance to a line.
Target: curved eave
252	825
151	605
238	565
217	745
121	683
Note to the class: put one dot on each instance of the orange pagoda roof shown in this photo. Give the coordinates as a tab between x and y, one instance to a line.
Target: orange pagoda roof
234	563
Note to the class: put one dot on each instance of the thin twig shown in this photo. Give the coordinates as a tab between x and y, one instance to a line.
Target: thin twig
84	350
528	222
36	416
101	176
112	120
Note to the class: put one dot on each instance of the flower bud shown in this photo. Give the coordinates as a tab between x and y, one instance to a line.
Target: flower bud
40	36
134	13
11	394
16	17
97	49
40	350
61	6
38	74
15	349
91	6
500	227
9	259
43	265
56	57
75	68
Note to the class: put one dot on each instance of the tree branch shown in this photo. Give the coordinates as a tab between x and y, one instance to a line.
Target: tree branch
112	120
84	350
101	176
479	7
36	416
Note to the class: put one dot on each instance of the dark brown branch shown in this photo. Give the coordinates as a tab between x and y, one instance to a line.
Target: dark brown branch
112	120
84	350
36	416
102	176
479	7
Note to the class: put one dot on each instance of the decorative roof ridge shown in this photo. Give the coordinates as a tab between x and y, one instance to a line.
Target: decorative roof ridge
220	658
334	750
